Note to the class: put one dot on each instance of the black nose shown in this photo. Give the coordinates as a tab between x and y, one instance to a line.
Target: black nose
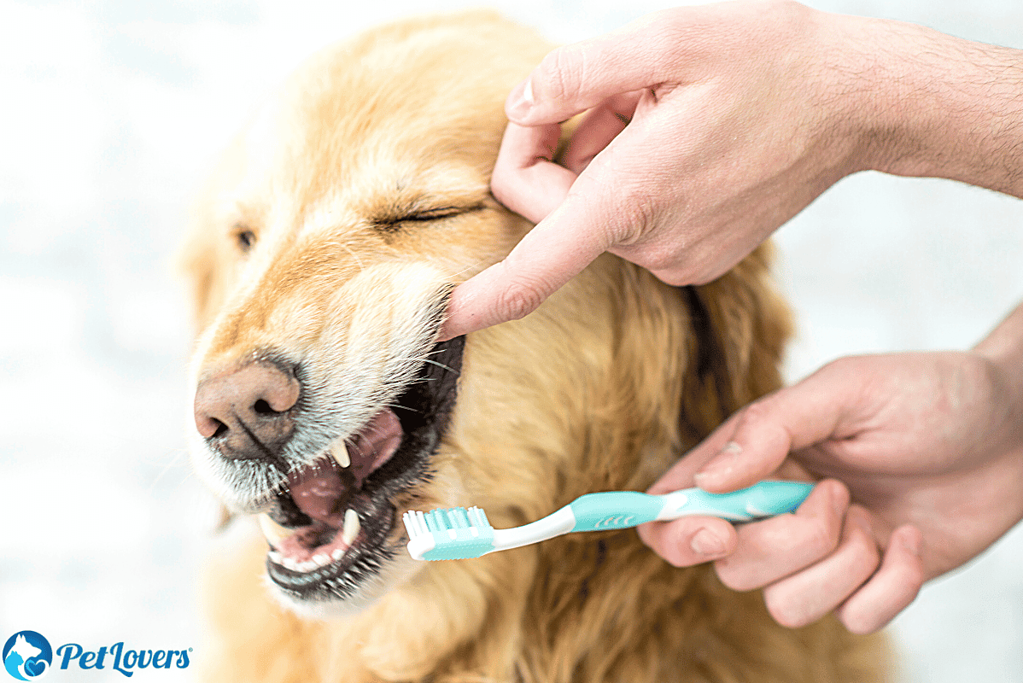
247	412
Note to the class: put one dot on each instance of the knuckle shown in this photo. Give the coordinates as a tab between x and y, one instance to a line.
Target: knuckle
734	576
913	578
866	553
780	606
560	74
505	185
910	577
821	537
640	210
758	412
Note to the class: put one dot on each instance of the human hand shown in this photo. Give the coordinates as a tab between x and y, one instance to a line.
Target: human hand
708	127
930	445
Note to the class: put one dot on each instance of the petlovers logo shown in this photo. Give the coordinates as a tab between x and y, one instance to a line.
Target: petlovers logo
27	655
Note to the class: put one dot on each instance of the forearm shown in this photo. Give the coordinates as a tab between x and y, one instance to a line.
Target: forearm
932	105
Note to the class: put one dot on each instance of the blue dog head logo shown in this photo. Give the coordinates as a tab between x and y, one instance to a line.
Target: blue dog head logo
27	655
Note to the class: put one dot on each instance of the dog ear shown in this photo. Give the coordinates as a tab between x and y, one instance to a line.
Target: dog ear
741	325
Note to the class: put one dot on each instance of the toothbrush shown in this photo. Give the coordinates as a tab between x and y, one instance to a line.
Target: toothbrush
458	533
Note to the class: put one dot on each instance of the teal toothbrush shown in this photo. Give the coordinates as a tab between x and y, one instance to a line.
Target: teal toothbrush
459	533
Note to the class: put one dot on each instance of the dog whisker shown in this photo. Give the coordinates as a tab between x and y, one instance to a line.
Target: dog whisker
355	256
439	365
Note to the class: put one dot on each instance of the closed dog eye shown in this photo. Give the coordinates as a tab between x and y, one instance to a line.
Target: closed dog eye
394	223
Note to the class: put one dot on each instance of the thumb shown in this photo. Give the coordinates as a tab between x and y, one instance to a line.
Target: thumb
754	442
577	77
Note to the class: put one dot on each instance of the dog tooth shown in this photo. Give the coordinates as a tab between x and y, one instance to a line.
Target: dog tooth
290	564
340	453
352	526
273	531
321	559
274	556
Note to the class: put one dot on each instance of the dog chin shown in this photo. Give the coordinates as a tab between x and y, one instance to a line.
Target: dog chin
370	592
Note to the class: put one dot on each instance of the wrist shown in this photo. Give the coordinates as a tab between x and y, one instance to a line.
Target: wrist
1003	350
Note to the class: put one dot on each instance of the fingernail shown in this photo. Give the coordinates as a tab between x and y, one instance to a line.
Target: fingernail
722	463
520	100
707	544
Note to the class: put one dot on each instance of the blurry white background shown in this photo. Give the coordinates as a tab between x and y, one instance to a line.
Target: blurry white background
111	113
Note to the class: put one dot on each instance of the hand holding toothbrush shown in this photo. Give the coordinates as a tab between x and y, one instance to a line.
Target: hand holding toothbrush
930	446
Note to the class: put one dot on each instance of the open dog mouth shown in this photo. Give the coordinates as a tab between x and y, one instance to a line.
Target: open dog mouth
328	526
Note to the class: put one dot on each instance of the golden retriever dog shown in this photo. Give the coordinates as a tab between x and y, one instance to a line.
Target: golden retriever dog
322	259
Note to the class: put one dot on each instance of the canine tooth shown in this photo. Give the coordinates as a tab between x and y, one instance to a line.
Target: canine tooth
321	559
275	556
352	526
273	531
290	564
340	453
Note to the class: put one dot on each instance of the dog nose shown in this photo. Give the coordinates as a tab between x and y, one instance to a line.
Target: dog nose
246	413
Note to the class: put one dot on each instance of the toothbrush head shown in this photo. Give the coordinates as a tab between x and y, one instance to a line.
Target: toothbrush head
448	534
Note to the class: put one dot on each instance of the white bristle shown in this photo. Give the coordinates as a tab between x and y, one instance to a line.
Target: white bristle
445	520
415	523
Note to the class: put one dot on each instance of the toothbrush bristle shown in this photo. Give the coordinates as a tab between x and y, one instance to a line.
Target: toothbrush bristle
415	523
454	533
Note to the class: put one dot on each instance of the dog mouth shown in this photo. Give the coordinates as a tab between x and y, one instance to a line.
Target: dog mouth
329	524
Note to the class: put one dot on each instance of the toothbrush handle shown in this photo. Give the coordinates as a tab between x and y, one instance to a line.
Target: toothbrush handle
614	510
623	509
763	499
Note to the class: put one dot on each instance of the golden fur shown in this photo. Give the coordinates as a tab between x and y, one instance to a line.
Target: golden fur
607	384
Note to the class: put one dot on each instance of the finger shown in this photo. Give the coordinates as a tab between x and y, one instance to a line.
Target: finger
551	254
574	78
682	474
892	588
686	472
690	540
808	595
525	179
598	128
774	548
767	430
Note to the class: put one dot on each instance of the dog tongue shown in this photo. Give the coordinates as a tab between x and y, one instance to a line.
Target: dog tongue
322	492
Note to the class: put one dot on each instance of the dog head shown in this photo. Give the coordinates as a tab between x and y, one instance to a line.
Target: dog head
335	228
